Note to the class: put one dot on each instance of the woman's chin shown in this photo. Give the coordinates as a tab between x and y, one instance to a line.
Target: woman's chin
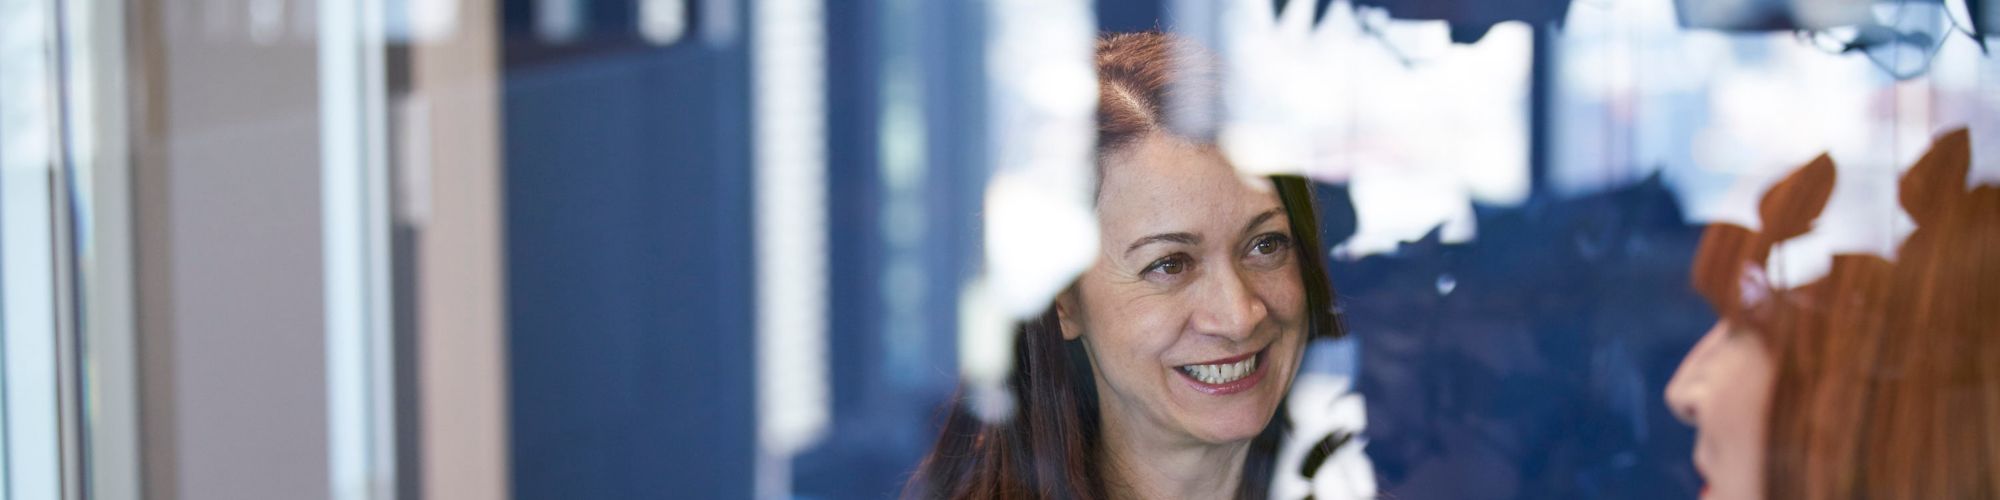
1227	433
1231	425
1232	418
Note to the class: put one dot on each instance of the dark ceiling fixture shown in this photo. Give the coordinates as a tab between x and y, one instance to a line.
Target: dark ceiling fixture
1901	37
1771	15
1469	19
1985	20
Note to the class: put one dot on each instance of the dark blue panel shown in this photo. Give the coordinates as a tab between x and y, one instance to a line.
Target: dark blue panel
956	90
884	401
1538	372
854	197
629	260
1125	16
855	461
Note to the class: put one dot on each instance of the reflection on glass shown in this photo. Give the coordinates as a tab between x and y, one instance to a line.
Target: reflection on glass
1379	104
559	20
663	22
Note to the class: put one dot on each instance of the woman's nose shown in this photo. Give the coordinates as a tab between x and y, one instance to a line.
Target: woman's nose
1231	308
1685	389
1679	399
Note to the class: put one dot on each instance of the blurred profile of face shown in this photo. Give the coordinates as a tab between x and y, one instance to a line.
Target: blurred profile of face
1194	312
1723	389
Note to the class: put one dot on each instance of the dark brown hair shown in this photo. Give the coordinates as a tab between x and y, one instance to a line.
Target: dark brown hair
1887	373
1049	448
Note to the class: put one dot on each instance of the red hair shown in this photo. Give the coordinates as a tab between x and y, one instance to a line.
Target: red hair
1888	373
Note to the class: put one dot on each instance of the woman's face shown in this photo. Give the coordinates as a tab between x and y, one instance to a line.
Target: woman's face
1194	312
1723	389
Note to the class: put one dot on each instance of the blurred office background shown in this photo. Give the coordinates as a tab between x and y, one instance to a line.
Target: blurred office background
538	249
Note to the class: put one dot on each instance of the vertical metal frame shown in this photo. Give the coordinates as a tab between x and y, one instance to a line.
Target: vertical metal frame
356	233
39	444
97	117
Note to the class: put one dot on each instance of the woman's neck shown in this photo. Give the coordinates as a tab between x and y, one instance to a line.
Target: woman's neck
1140	464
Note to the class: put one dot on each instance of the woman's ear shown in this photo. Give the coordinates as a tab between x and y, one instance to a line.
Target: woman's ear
1938	179
1726	251
1067	314
1789	207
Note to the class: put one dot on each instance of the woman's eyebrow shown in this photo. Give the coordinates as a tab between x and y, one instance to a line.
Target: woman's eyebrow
1260	218
1186	238
1182	238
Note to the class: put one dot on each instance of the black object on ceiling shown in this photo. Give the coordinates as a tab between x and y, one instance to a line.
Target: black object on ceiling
1469	19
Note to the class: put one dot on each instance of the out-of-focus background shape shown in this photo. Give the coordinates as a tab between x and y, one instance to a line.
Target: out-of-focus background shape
538	249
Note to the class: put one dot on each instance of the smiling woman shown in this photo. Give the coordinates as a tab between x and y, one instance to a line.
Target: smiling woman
1160	372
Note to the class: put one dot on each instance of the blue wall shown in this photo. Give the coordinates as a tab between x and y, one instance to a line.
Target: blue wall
629	259
893	375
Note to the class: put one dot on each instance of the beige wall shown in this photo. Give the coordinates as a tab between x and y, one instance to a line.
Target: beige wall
461	342
227	205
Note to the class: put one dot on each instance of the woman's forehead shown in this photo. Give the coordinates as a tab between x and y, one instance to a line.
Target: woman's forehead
1159	182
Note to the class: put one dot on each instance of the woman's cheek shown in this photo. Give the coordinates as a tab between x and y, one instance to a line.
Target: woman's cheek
1284	293
1145	327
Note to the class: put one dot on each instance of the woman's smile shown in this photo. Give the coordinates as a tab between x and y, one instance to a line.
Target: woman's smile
1225	376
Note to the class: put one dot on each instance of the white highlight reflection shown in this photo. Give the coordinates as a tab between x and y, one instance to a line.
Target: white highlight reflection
1421	127
1040	228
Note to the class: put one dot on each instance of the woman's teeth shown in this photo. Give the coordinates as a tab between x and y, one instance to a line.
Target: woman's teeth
1222	373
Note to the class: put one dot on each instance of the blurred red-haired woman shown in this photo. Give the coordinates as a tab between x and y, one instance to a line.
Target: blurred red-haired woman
1880	380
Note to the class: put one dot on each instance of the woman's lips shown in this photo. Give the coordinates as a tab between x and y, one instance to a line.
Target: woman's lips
1700	473
1231	359
1221	381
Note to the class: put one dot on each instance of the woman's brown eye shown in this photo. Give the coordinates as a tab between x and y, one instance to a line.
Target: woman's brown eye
1169	265
1269	244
